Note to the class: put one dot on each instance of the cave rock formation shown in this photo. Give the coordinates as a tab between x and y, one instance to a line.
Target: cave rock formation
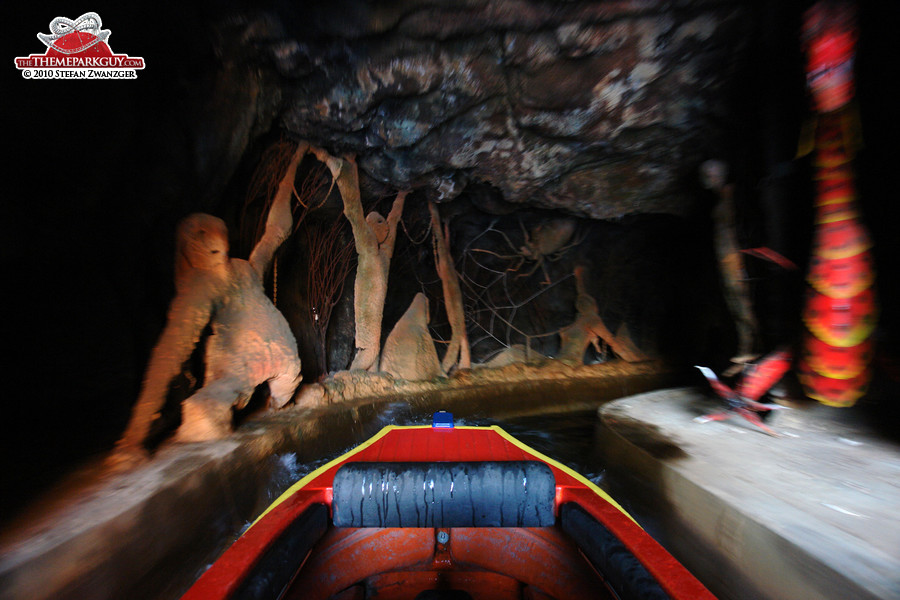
409	351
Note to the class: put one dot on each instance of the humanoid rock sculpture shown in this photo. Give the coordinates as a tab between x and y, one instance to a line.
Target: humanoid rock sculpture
251	342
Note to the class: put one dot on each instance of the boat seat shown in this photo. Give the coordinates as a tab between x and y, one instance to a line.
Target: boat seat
277	566
444	494
623	572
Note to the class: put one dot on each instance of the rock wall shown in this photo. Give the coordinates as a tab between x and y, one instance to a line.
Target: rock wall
599	109
508	112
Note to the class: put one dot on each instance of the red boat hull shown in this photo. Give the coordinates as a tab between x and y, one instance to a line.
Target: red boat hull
483	562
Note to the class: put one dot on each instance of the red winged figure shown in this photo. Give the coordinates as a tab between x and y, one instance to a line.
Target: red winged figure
757	379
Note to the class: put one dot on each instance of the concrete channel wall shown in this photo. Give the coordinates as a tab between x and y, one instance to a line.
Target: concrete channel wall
149	533
808	515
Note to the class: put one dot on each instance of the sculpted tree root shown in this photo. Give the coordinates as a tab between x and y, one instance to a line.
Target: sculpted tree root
589	328
458	350
374	237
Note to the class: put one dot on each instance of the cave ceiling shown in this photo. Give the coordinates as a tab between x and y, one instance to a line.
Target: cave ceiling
597	109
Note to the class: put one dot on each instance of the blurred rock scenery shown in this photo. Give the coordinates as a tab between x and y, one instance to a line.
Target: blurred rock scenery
496	182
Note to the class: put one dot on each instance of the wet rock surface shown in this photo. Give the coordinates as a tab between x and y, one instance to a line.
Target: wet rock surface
511	114
598	109
520	112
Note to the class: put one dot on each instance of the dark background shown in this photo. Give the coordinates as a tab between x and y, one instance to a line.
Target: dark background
96	180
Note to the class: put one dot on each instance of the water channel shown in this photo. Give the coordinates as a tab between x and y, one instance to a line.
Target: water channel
570	435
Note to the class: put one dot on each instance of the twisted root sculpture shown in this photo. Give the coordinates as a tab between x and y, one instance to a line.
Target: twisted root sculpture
250	344
374	237
589	328
453	301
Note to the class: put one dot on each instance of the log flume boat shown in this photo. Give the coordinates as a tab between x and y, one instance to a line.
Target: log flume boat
445	512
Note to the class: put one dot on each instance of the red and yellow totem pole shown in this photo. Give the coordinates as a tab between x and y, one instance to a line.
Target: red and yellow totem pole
840	310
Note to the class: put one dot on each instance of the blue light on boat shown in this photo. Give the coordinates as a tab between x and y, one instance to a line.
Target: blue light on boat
442	420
